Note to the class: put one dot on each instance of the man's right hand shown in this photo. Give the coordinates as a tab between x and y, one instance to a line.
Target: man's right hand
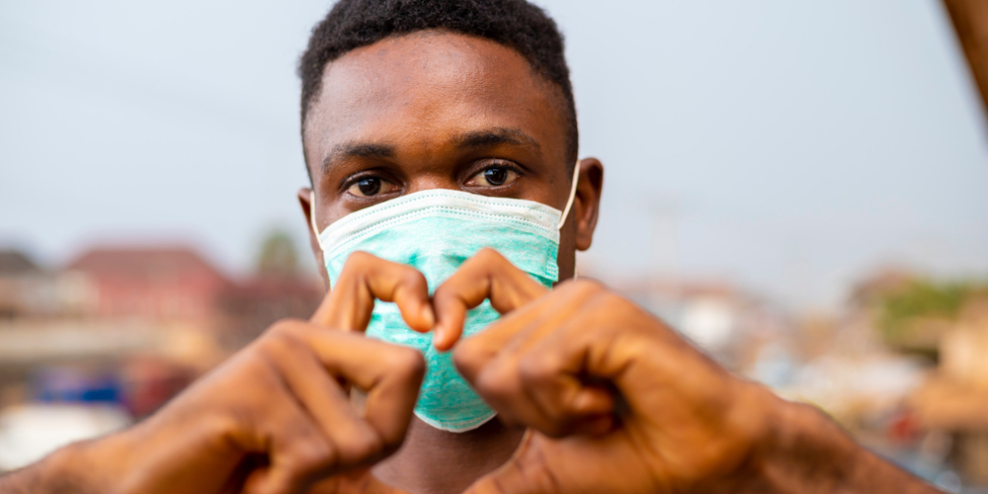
276	417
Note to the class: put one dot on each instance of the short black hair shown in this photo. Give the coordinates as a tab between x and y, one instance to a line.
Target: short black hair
516	24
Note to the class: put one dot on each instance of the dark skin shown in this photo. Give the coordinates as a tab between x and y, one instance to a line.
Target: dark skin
595	394
454	112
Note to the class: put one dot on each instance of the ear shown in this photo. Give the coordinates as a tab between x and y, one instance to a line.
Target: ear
305	200
586	204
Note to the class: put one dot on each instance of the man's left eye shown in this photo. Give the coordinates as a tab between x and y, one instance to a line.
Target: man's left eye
495	176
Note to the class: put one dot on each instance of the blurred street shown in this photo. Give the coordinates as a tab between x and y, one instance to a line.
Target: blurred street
91	347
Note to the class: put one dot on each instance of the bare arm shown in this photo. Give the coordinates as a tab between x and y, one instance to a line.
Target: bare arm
67	470
616	402
274	418
810	453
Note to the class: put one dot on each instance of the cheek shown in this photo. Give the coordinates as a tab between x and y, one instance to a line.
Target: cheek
334	212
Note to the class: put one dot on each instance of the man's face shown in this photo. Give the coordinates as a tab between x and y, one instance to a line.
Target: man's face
440	110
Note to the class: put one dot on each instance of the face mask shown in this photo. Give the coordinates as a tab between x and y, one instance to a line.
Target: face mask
435	231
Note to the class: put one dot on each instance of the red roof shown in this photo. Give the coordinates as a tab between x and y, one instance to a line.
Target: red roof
144	263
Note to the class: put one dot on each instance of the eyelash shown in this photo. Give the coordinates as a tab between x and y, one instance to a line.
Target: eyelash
354	179
499	164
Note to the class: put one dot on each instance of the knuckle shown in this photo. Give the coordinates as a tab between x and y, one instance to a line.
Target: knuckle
609	299
225	426
283	327
359	257
312	458
467	358
495	383
618	308
356	262
408	361
536	370
280	338
412	277
586	286
360	446
490	255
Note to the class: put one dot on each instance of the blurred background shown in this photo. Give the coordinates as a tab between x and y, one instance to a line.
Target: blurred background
798	187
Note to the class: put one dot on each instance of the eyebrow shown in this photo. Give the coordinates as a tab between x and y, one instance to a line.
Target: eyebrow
496	136
357	150
468	140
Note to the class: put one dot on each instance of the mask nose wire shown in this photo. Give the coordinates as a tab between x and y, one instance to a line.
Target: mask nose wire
572	195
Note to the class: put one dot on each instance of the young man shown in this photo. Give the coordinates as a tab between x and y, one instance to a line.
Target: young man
424	123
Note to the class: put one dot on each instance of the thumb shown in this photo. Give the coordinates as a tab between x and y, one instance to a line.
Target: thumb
525	473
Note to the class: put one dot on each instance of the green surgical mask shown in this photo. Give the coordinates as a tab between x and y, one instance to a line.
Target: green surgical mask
435	231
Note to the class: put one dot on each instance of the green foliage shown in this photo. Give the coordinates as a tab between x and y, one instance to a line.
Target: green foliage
278	255
927	300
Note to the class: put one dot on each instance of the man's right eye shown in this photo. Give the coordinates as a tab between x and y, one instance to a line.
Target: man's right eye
371	186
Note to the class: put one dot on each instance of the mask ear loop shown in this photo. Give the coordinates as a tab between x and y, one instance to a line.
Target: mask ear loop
572	195
312	217
569	205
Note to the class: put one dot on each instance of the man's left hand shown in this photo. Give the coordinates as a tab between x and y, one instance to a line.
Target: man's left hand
615	400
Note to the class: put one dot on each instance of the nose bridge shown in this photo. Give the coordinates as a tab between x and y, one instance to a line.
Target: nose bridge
427	180
431	163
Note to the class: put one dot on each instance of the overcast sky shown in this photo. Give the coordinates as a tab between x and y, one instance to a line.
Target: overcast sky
788	146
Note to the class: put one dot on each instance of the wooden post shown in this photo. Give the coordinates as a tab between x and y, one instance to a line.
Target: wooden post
970	18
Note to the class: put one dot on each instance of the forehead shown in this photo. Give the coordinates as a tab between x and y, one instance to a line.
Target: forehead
417	90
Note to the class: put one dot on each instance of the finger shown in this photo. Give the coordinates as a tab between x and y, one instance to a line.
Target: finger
390	375
486	275
355	442
297	452
539	378
554	376
546	390
513	332
366	278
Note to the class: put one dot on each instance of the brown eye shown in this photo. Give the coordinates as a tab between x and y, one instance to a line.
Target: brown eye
495	176
371	186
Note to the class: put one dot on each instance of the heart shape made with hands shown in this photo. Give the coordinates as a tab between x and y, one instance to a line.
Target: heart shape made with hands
367	278
566	404
612	399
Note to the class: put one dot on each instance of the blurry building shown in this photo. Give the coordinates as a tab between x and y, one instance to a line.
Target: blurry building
26	290
730	324
275	291
18	274
120	330
247	309
155	283
955	398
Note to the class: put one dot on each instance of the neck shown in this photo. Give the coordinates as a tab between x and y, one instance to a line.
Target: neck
432	461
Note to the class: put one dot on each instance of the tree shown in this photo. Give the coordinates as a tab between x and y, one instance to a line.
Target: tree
278	256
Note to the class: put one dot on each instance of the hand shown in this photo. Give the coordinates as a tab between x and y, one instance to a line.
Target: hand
276	418
615	400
